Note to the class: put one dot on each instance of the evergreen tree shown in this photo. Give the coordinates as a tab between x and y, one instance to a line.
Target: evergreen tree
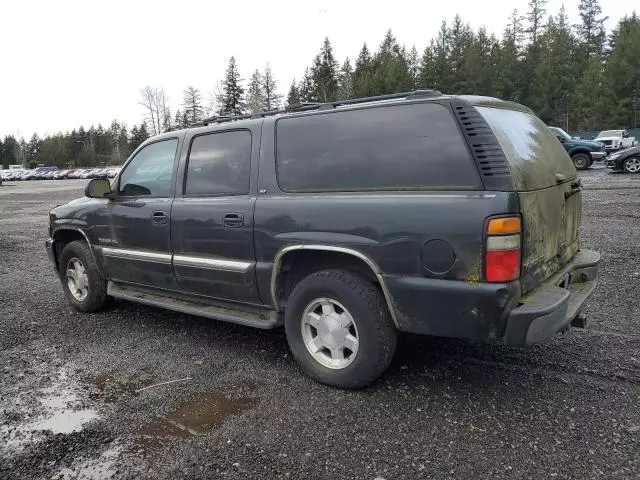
231	100
192	104
10	151
346	88
362	81
178	121
436	69
324	75
509	78
272	100
556	75
305	89
33	148
390	71
293	97
535	17
255	94
591	31
622	77
414	66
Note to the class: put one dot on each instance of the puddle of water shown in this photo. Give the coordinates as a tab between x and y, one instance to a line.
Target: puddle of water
100	468
111	388
66	421
195	417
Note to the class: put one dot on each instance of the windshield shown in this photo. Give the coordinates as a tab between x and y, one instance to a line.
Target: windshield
610	133
561	133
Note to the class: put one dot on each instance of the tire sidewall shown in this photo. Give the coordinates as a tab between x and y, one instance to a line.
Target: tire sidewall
584	157
367	355
624	165
95	296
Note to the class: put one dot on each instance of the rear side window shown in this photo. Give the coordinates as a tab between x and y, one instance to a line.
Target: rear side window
534	154
399	147
219	164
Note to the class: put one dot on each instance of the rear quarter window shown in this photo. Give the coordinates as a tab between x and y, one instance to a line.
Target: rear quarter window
534	154
395	147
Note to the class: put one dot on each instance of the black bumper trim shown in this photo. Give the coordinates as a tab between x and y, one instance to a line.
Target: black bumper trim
551	308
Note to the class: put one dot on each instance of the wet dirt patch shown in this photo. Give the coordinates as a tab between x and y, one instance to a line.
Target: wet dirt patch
198	416
57	409
101	468
110	388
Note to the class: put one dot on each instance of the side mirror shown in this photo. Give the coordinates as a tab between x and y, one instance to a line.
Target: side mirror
97	188
561	139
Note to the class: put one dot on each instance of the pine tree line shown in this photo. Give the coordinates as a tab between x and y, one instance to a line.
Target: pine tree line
78	148
574	76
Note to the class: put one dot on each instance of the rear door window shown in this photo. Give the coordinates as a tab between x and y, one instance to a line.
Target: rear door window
219	164
398	147
534	155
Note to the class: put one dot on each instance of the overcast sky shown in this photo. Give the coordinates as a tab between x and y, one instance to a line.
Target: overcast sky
69	63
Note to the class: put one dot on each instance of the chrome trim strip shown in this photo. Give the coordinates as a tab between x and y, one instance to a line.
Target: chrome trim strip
136	255
330	248
212	263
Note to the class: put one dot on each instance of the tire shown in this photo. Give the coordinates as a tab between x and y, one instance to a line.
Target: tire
371	326
581	161
631	165
91	294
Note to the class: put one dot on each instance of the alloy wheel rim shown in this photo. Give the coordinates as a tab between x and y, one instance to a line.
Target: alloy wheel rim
330	333
633	165
77	279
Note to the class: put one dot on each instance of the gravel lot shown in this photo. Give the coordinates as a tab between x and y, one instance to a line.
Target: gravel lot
71	404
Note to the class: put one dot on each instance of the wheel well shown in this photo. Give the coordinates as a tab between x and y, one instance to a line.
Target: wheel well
62	238
297	264
576	152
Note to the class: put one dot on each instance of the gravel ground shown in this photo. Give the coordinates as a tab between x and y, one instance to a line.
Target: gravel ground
74	401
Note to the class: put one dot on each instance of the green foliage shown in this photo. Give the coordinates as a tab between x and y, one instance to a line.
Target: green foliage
255	94
324	75
293	97
231	99
192	105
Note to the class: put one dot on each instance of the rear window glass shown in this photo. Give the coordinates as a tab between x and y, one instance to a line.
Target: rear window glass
400	147
533	152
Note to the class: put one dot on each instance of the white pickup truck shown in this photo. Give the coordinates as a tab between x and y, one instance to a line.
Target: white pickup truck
615	140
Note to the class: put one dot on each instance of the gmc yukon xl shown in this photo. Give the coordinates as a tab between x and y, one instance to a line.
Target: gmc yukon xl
346	222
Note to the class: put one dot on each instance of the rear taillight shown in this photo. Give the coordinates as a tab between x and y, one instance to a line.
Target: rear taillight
503	249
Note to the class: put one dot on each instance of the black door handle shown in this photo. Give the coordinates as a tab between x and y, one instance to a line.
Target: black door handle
159	218
233	220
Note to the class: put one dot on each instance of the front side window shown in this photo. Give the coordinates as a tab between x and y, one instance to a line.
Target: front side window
219	164
150	171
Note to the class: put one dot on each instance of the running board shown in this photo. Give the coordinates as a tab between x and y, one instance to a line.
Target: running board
251	317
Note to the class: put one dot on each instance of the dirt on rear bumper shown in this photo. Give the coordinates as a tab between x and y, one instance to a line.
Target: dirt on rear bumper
552	306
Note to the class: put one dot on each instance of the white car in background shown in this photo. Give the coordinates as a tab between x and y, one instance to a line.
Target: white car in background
615	140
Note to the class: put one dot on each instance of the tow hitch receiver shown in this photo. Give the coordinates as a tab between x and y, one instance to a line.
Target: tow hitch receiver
580	321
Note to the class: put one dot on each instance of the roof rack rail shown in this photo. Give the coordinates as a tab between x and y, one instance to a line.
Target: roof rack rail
305	106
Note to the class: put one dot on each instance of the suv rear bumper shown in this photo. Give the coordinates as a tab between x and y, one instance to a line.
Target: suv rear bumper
552	306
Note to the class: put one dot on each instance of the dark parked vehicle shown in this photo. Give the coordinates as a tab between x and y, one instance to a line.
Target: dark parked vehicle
627	160
582	152
346	222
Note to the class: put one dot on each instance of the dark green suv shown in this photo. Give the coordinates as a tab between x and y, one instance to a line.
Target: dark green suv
347	222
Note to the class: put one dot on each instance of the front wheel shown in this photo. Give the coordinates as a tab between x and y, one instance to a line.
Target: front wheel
581	161
339	329
632	165
84	286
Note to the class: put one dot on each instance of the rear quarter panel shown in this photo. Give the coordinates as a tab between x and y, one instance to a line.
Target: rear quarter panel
388	227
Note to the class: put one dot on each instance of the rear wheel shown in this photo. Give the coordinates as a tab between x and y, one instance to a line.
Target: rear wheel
84	286
339	329
581	161
632	165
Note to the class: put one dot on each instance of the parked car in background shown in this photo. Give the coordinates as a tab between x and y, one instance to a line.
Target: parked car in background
112	172
614	140
472	231
627	160
582	152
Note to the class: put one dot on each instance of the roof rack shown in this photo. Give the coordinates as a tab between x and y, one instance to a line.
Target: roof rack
305	106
